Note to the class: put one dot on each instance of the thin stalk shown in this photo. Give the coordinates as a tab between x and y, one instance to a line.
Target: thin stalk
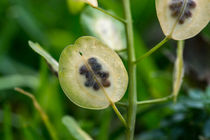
43	115
152	50
179	69
155	100
109	14
131	116
122	104
119	114
122	50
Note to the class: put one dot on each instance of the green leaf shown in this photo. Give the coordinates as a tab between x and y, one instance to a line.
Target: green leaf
50	60
8	82
74	129
7	123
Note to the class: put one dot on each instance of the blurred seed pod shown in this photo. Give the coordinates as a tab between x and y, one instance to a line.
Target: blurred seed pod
105	28
93	3
75	6
182	19
89	76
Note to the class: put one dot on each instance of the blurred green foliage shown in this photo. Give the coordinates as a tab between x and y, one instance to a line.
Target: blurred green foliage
56	24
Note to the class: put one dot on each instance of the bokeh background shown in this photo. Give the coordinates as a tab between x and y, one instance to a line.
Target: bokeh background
58	23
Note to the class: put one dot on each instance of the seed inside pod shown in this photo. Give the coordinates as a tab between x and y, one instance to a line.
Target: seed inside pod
95	72
181	10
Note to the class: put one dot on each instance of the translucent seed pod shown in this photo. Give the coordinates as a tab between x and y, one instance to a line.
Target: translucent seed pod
91	74
183	19
93	3
104	27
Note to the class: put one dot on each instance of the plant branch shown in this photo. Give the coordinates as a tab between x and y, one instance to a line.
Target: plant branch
119	114
122	104
43	115
152	50
178	69
109	14
122	50
155	100
132	91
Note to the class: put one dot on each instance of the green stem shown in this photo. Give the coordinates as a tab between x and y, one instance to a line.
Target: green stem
155	100
107	13
131	117
122	104
179	69
152	50
43	115
119	115
122	50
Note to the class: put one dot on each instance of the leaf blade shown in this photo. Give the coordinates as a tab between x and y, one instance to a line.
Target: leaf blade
50	60
74	129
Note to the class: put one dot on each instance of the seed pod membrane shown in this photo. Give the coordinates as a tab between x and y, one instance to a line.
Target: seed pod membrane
88	70
93	3
108	30
182	19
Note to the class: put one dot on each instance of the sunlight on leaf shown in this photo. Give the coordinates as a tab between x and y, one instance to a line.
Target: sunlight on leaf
11	81
50	60
74	129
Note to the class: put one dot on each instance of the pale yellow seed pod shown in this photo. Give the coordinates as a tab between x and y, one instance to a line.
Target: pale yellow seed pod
93	3
183	19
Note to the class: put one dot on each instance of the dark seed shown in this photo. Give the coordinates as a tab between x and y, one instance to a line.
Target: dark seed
98	73
175	13
187	14
96	86
92	60
83	69
104	75
191	4
88	75
96	67
106	83
89	83
176	5
181	20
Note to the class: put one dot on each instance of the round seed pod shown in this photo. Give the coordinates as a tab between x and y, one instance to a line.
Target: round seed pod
182	19
82	83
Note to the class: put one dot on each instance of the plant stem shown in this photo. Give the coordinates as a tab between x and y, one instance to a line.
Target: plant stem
179	69
43	115
152	50
107	13
155	100
122	50
131	117
122	104
119	114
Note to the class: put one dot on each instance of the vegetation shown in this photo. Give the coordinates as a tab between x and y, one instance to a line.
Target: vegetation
168	93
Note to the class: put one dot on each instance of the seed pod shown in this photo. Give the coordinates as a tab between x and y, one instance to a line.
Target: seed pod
182	19
80	77
75	6
104	27
93	3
